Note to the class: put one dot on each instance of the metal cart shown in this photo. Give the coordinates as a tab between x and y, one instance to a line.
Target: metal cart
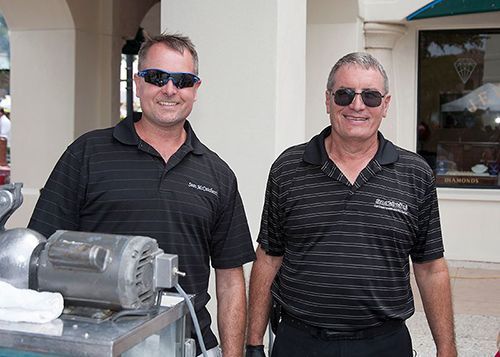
163	334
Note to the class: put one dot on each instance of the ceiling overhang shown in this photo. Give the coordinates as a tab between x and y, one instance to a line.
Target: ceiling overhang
440	8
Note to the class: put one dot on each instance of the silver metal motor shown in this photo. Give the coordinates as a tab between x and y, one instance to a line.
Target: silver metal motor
104	271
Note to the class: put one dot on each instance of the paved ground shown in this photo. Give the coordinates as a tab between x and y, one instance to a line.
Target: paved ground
476	301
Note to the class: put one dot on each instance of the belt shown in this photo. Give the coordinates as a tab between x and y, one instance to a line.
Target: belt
329	334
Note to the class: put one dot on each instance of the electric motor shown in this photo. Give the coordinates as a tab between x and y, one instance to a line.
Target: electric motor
104	270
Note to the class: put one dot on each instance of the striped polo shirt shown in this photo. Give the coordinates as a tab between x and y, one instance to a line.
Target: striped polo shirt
110	181
346	246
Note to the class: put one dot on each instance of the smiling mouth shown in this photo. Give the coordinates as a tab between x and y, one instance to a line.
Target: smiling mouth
356	118
167	104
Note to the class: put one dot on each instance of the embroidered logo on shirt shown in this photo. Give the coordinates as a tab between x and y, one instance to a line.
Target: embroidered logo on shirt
203	188
391	205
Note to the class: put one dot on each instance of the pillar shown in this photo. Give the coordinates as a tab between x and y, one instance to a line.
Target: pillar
380	39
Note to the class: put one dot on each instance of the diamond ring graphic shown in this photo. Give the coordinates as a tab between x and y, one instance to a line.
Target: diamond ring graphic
464	68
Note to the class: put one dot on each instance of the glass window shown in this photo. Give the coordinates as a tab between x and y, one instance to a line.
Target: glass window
458	129
127	86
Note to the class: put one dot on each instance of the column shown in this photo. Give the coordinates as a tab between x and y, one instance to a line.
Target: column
380	39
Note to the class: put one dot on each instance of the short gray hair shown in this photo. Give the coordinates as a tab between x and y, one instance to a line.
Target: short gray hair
362	59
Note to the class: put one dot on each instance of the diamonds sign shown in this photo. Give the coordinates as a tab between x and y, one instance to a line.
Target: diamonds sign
464	68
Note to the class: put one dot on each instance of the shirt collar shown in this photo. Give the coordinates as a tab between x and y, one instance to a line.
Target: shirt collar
315	152
125	133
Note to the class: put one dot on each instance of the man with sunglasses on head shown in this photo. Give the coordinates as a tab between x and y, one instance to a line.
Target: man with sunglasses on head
342	215
153	177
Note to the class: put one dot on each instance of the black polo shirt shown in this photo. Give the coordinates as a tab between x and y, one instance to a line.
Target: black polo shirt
110	181
346	246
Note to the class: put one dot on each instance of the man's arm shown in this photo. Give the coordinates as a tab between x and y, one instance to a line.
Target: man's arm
231	310
59	202
433	283
264	270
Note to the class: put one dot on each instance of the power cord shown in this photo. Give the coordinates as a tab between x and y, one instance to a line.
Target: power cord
139	312
155	308
194	318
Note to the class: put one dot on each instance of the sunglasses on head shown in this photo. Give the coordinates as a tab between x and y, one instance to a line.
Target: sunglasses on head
345	96
160	78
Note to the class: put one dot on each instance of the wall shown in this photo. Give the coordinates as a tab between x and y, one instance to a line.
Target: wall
151	23
389	11
334	29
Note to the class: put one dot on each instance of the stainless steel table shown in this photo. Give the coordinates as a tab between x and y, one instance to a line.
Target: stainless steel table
163	334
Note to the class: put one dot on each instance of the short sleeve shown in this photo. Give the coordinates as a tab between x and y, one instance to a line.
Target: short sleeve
271	226
429	241
59	202
231	244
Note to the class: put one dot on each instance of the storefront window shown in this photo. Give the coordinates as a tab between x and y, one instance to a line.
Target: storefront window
458	129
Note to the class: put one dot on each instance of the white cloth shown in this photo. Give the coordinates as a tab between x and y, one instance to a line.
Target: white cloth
27	305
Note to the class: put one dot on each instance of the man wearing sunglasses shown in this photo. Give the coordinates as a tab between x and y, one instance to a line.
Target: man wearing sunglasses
343	214
152	176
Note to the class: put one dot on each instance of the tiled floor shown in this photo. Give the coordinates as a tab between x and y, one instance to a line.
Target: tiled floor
476	302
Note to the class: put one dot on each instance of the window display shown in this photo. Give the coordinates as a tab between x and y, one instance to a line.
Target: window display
458	129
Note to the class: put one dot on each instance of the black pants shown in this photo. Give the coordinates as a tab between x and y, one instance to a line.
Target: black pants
293	342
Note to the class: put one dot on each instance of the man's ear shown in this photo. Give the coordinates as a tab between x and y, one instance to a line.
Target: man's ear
138	85
385	103
195	87
328	98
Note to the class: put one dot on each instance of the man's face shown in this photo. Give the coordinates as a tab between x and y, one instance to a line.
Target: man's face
357	121
168	105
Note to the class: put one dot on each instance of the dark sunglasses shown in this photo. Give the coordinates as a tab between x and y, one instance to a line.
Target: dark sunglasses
345	96
160	78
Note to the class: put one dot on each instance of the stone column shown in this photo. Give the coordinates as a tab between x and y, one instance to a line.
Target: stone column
380	39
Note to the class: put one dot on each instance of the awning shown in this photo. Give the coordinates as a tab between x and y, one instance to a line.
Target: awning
486	97
439	8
